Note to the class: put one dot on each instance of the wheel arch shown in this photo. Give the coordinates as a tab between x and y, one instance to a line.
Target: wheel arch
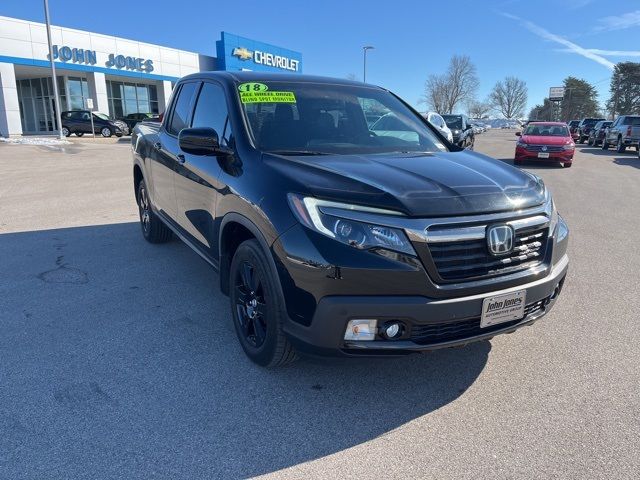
235	229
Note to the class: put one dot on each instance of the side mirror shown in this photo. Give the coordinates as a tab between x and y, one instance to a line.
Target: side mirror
518	134
199	141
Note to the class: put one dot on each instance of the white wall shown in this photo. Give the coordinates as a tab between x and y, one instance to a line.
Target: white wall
98	91
10	123
21	38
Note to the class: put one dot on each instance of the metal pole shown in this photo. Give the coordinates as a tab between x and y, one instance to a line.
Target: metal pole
53	70
364	61
364	66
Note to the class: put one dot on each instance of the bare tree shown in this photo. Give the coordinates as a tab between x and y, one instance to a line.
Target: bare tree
509	97
462	81
444	92
477	109
436	93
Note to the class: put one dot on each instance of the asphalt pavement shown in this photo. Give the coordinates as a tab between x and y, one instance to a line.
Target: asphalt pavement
118	358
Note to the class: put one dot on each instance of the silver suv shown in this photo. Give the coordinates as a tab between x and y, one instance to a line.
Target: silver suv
623	133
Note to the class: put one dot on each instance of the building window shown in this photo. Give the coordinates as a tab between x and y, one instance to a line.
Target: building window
78	92
126	98
37	106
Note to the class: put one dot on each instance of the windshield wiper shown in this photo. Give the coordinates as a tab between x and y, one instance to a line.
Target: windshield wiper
298	152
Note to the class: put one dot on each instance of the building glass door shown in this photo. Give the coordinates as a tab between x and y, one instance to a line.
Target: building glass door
37	104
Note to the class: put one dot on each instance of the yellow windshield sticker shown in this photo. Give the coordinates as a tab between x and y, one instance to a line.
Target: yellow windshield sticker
267	97
253	87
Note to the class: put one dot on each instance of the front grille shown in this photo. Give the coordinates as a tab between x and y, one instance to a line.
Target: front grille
452	331
462	260
549	148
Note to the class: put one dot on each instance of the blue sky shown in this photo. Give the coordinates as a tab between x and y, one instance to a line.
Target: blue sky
540	42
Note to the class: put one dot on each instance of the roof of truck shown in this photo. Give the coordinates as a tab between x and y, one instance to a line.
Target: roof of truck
274	77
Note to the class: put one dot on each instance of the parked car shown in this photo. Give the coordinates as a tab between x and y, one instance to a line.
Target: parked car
437	121
573	129
624	132
461	129
332	239
598	132
79	122
585	126
134	118
547	141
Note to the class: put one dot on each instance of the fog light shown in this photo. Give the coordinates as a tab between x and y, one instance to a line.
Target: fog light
392	330
361	330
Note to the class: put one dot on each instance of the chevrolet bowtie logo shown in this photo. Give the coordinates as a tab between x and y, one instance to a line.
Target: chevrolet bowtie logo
242	53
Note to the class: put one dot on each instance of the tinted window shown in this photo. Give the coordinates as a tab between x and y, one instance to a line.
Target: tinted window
211	110
631	121
453	121
547	130
316	118
180	117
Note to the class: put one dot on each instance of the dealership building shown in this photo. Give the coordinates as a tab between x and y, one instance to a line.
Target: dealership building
120	76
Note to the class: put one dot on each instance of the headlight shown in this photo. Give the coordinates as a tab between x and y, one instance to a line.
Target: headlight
456	132
520	143
360	235
569	146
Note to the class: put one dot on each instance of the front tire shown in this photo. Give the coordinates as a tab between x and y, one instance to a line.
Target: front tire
153	230
605	144
590	142
66	132
257	307
79	134
106	132
620	147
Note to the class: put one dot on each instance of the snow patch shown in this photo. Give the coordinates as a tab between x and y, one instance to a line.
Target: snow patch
34	141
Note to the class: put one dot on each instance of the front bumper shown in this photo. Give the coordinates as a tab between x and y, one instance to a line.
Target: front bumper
525	155
425	319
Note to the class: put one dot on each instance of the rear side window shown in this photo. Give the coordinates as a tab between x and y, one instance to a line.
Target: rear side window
211	111
631	121
182	109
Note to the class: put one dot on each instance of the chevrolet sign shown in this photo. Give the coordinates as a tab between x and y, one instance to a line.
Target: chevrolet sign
242	53
268	59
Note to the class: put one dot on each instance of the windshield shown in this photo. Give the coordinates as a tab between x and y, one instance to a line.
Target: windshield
590	122
309	118
547	130
102	116
453	121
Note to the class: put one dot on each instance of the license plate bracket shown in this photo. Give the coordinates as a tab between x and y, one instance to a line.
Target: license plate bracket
543	154
503	308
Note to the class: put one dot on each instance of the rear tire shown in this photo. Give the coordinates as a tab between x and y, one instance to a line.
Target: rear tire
620	147
65	131
153	230
257	307
79	134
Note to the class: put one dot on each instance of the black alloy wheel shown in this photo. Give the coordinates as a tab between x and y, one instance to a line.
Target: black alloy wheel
153	230
250	304
144	209
257	307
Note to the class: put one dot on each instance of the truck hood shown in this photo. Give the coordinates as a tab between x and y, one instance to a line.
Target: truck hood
416	184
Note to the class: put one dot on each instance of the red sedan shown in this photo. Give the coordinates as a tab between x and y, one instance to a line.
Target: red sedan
545	141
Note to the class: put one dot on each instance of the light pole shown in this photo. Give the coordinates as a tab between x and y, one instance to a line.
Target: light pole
54	79
364	66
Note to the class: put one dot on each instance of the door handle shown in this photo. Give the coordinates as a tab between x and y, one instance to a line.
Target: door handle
180	158
157	146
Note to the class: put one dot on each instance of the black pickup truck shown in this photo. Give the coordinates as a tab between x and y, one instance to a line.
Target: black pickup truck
332	238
